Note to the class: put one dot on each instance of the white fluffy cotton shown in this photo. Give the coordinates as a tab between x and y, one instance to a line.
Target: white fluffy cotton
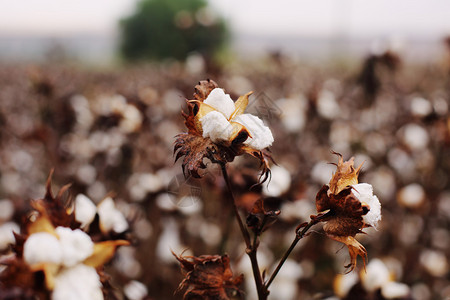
85	210
216	127
217	124
110	217
364	192
6	234
280	183
221	102
376	276
80	282
42	247
261	136
395	290
76	245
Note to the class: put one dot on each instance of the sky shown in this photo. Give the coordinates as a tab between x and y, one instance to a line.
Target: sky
314	18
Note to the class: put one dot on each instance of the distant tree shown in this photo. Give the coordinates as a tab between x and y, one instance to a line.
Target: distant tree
171	29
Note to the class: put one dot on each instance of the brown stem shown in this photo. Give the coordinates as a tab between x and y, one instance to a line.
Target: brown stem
298	237
251	248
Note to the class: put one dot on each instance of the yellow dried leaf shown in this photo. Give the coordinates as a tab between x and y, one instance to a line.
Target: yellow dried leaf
345	175
240	104
42	224
103	252
354	249
50	270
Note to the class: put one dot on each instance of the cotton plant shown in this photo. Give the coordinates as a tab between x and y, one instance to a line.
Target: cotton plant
219	130
55	245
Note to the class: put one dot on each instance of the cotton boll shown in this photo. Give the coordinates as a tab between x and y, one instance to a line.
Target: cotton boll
343	283
364	193
415	136
411	196
421	107
284	286
221	102
150	182
297	210
261	136
80	282
135	290
42	247
85	210
76	245
294	113
6	209
327	105
322	172
110	217
434	262
376	276
279	184
6	234
169	240
216	127
395	290
86	174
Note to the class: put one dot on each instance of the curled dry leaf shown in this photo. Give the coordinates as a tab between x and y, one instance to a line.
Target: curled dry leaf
195	147
208	277
345	217
259	219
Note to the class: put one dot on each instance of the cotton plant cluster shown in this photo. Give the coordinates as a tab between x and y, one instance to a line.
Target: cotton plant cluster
60	242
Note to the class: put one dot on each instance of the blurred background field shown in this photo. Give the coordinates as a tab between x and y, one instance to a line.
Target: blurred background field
95	91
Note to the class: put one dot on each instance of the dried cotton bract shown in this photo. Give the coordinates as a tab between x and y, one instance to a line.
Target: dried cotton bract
350	206
218	129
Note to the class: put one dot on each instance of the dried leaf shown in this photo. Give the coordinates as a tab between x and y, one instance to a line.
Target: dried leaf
355	249
42	224
240	104
103	252
208	277
345	175
259	219
203	88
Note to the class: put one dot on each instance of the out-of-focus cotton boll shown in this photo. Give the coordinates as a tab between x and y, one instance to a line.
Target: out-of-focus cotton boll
6	234
299	210
238	85
12	183
143	229
402	163
189	205
322	172
135	290
195	64
151	182
421	107
171	100
376	276
76	245
210	233
440	106
395	290
383	182
85	210
21	160
375	144
6	209
126	262
294	113
341	136
110	217
131	119
411	196
83	113
166	202
343	283
169	240
421	291
414	136
279	183
284	286
96	191
434	262
86	174
78	283
327	105
42	247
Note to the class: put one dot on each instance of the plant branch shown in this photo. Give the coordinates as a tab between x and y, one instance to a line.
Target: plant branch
298	236
251	247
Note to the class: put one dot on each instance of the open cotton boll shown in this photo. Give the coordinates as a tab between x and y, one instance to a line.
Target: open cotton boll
216	127
42	247
261	136
85	210
364	193
221	102
80	282
76	245
110	217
